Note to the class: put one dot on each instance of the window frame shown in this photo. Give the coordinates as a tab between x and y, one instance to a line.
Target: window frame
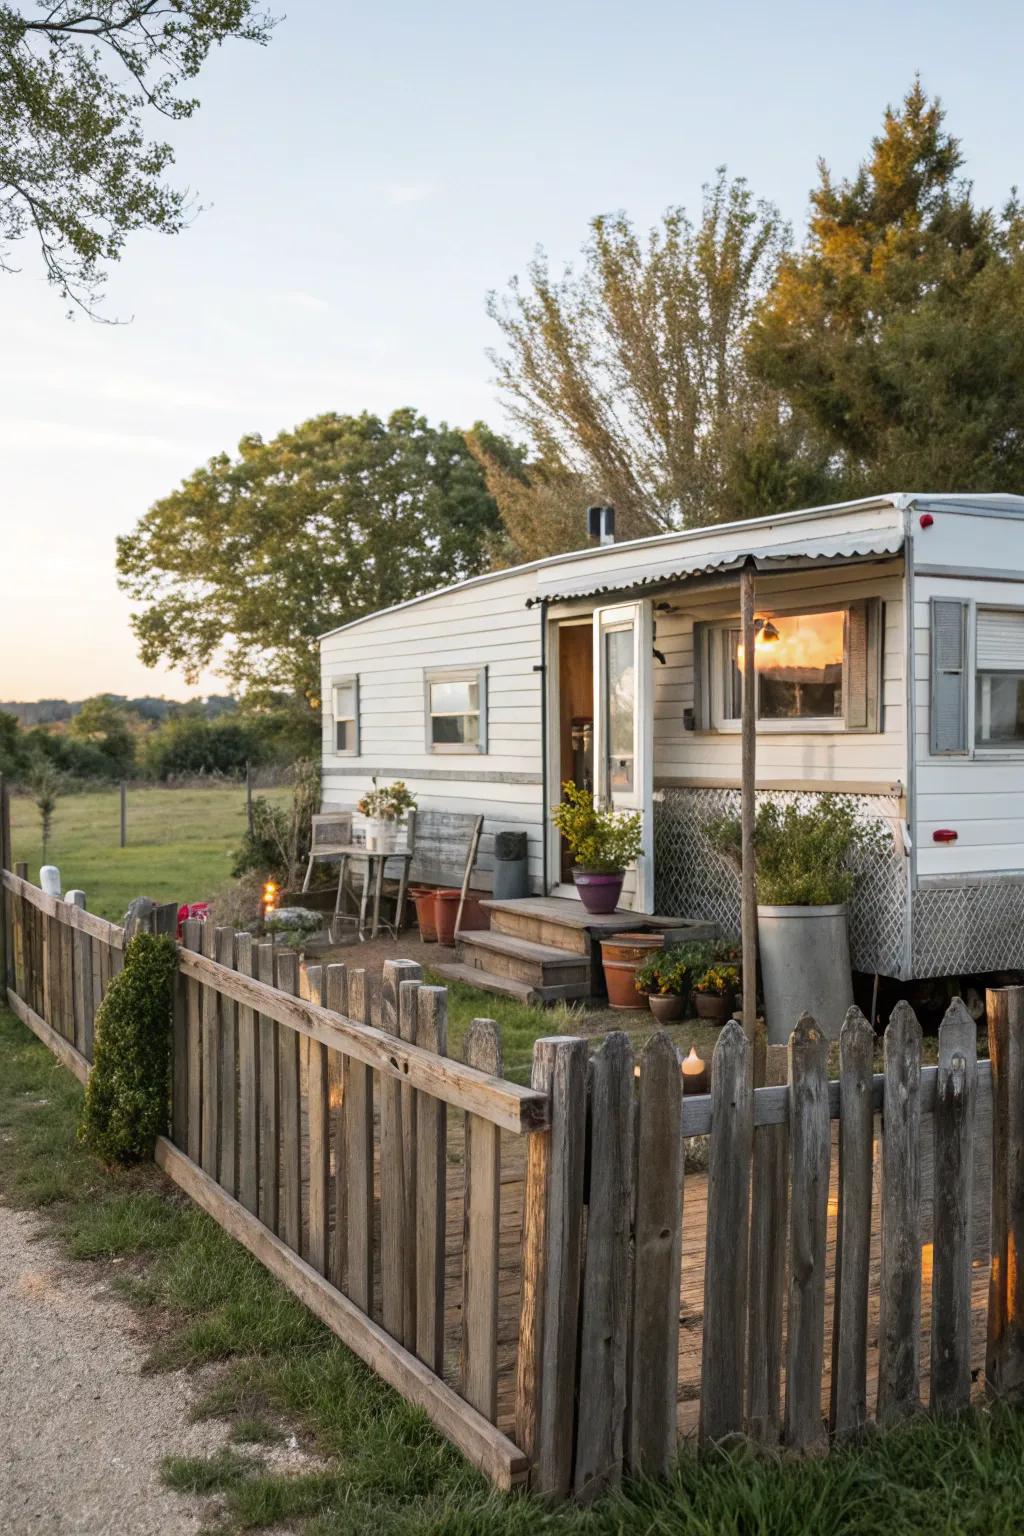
712	660
477	675
348	680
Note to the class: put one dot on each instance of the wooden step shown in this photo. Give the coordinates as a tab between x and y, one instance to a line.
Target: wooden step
535	929
505	954
509	986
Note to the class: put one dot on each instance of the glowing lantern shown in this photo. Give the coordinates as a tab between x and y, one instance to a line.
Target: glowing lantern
271	894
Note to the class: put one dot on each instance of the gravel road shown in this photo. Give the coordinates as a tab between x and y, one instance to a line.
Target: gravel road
82	1431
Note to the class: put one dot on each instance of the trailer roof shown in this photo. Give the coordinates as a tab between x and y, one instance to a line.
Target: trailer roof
721	546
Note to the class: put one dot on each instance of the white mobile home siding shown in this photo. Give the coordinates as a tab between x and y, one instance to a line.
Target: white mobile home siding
981	794
483	624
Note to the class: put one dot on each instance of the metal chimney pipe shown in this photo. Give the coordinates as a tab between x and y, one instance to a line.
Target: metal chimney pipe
601	524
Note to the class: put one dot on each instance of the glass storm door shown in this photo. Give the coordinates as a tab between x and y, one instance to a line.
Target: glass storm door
623	716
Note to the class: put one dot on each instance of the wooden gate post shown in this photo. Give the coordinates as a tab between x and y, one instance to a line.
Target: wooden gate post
552	1257
6	862
1004	1356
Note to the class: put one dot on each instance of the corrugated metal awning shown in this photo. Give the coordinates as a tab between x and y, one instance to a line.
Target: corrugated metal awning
677	566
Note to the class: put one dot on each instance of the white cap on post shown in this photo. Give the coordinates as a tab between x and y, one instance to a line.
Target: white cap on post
49	880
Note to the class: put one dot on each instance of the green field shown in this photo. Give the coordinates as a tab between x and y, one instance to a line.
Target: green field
180	843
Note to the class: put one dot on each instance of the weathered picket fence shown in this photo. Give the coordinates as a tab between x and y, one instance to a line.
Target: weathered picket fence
534	1266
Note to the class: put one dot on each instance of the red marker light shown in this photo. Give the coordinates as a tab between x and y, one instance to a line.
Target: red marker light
926	519
944	835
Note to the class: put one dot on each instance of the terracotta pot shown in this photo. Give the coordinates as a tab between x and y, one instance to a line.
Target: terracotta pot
474	918
426	914
713	1008
621	956
598	893
666	1006
446	906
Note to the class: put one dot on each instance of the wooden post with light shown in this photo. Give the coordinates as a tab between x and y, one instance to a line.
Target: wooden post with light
748	762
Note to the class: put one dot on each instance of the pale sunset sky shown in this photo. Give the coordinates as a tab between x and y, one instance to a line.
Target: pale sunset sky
366	180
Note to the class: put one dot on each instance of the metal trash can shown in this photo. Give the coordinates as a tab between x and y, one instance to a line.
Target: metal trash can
511	868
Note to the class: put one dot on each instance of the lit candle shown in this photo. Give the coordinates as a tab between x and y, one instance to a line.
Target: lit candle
695	1073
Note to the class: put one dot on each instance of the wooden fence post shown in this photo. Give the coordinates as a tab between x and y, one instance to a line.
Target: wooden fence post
654	1319
953	1181
1004	1360
270	1100
848	1407
286	979
211	1061
481	1234
248	1087
6	862
604	1326
899	1331
726	1257
192	938
318	1116
769	1204
227	1068
394	1240
810	1135
336	999
359	1157
431	1175
552	1236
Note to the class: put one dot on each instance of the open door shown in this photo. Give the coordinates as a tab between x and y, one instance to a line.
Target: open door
624	728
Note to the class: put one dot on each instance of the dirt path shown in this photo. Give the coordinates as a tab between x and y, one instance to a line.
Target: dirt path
82	1432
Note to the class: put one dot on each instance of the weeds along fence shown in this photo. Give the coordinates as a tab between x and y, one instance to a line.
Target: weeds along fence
536	1267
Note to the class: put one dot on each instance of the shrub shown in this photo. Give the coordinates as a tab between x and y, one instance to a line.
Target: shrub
278	844
127	1097
188	743
602	841
805	855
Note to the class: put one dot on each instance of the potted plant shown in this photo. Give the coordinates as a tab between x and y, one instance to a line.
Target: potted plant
385	809
806	857
665	978
714	992
603	843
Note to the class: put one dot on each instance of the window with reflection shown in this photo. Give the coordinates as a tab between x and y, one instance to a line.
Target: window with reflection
799	660
620	705
456	709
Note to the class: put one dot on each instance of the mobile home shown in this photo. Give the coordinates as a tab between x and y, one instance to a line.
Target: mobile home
894	674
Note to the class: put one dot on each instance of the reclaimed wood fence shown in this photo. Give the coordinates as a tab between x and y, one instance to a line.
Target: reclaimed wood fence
522	1261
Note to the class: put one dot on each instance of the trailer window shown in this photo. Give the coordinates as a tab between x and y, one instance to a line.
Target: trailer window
999	680
456	709
345	703
800	665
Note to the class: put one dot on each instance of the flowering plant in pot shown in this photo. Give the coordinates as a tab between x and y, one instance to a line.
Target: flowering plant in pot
385	808
665	978
714	991
603	843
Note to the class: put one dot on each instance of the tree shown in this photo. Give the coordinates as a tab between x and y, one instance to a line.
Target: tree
105	722
188	743
254	557
77	83
45	787
897	331
630	375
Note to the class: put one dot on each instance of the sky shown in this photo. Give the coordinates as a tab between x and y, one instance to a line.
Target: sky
364	182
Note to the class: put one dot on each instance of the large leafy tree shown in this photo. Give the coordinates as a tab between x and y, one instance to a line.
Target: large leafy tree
629	375
79	80
255	556
897	332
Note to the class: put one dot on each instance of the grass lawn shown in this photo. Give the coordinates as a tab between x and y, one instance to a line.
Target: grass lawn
180	843
381	1467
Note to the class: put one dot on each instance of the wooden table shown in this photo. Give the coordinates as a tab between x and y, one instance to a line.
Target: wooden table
373	863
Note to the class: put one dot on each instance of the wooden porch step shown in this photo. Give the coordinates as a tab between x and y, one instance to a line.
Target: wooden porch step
562	923
510	986
505	954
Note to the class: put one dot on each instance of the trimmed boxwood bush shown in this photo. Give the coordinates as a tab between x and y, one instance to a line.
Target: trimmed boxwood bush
127	1097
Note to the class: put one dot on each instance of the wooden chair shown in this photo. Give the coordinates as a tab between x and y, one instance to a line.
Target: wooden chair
332	837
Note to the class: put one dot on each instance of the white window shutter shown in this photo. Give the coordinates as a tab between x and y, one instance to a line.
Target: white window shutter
948	677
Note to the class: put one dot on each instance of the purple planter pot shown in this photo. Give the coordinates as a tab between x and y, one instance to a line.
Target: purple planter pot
598	893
